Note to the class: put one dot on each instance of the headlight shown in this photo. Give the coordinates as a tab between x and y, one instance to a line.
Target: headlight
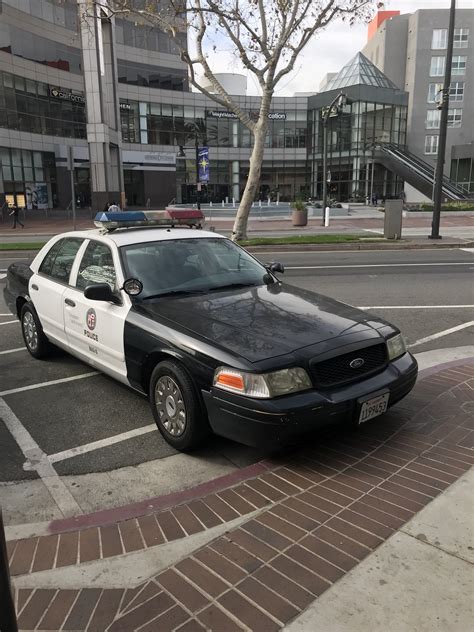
263	386
396	346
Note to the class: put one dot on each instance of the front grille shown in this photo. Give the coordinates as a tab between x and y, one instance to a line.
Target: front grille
339	371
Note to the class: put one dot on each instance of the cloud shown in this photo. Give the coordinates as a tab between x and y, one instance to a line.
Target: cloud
328	51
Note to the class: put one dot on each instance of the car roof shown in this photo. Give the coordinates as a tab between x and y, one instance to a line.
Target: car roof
125	237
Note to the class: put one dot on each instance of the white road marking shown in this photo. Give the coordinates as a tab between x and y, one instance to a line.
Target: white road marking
21	389
38	461
9	314
13	350
379	265
101	443
440	334
3	276
414	306
9	322
467	250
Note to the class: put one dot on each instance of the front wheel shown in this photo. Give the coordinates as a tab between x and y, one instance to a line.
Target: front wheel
176	406
35	340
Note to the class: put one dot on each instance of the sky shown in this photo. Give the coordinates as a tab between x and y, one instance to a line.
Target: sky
330	50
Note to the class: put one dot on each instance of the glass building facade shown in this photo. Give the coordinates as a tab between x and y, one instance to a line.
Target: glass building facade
375	113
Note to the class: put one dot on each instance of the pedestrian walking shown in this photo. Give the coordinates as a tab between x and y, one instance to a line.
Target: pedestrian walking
16	216
114	208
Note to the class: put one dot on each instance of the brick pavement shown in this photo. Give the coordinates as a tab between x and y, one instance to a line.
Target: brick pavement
317	512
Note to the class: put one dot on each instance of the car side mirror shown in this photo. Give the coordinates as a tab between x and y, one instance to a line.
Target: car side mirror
101	292
276	266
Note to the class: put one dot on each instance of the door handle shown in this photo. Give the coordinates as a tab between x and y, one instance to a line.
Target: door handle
69	302
34	286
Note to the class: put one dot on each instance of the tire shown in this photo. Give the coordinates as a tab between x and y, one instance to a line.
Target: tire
35	340
177	407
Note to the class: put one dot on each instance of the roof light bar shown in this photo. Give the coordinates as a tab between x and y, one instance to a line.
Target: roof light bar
133	219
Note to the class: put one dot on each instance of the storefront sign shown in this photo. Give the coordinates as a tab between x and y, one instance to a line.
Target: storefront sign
66	96
125	106
158	157
219	114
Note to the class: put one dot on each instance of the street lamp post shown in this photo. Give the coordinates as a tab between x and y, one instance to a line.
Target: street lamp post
337	103
443	126
181	154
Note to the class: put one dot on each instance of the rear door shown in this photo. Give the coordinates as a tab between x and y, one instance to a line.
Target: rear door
47	286
95	329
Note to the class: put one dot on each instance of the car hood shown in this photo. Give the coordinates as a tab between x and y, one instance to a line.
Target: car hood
258	323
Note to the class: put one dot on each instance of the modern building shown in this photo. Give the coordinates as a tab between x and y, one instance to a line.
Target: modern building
410	49
110	98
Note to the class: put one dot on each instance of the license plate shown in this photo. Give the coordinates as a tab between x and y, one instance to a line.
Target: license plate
373	407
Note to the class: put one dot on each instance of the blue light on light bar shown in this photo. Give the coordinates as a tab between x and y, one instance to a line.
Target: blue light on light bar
131	219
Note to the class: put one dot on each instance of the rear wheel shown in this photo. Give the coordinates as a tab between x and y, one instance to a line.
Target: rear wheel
35	340
176	406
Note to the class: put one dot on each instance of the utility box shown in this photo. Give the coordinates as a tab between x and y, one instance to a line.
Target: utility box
393	219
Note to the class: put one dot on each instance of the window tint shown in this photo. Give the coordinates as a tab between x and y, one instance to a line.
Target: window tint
64	259
48	261
97	266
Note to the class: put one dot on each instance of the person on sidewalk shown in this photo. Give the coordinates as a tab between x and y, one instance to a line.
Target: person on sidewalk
16	216
106	207
114	208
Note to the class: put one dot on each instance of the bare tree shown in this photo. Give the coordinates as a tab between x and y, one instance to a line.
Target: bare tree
265	36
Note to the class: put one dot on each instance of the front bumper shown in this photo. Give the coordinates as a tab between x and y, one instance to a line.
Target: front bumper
265	422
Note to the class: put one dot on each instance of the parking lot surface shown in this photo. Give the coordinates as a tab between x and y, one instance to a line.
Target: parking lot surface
75	440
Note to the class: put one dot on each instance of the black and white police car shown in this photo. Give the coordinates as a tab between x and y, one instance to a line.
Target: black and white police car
211	335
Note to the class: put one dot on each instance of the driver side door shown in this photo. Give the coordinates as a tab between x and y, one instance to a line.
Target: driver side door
95	329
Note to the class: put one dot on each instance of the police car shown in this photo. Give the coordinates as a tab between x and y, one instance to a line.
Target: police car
206	331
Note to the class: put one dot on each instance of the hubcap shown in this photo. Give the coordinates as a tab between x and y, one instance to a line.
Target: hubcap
29	329
170	406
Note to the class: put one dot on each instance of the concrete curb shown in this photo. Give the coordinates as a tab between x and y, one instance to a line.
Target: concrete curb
356	246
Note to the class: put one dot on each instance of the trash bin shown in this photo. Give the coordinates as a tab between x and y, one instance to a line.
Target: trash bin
299	217
393	219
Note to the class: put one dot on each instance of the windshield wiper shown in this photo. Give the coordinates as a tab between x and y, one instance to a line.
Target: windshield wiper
174	293
231	286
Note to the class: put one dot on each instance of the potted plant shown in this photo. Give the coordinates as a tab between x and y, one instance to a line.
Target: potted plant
299	215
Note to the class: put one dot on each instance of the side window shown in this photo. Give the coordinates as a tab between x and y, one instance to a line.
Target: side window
64	259
47	263
97	266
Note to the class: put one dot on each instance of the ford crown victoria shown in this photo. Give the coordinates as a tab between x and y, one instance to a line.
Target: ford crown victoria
212	336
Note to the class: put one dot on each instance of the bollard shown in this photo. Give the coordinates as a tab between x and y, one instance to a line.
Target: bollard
233	202
326	216
210	204
223	204
260	203
7	609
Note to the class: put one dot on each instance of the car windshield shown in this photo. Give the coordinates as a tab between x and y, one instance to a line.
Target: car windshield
181	266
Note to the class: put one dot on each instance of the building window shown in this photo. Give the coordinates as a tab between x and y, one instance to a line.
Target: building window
461	37
434	91
432	119
459	65
437	66
454	117
456	91
439	39
431	144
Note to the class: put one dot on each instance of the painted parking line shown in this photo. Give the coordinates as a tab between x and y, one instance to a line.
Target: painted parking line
31	387
467	250
13	350
415	306
37	460
9	322
101	443
380	265
440	334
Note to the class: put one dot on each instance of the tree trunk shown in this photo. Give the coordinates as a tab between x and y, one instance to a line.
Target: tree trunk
241	219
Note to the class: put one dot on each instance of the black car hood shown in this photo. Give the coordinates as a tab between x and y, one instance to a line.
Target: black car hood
258	323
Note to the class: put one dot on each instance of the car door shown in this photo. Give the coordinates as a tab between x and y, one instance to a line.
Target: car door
95	329
47	286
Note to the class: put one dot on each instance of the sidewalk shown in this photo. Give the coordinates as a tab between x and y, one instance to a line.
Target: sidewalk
290	541
457	230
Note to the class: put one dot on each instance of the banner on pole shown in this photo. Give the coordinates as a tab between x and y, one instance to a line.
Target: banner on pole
203	164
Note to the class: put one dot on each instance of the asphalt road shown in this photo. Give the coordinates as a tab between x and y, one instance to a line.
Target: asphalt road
426	293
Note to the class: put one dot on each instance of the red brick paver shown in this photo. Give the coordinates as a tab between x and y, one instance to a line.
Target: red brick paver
323	508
